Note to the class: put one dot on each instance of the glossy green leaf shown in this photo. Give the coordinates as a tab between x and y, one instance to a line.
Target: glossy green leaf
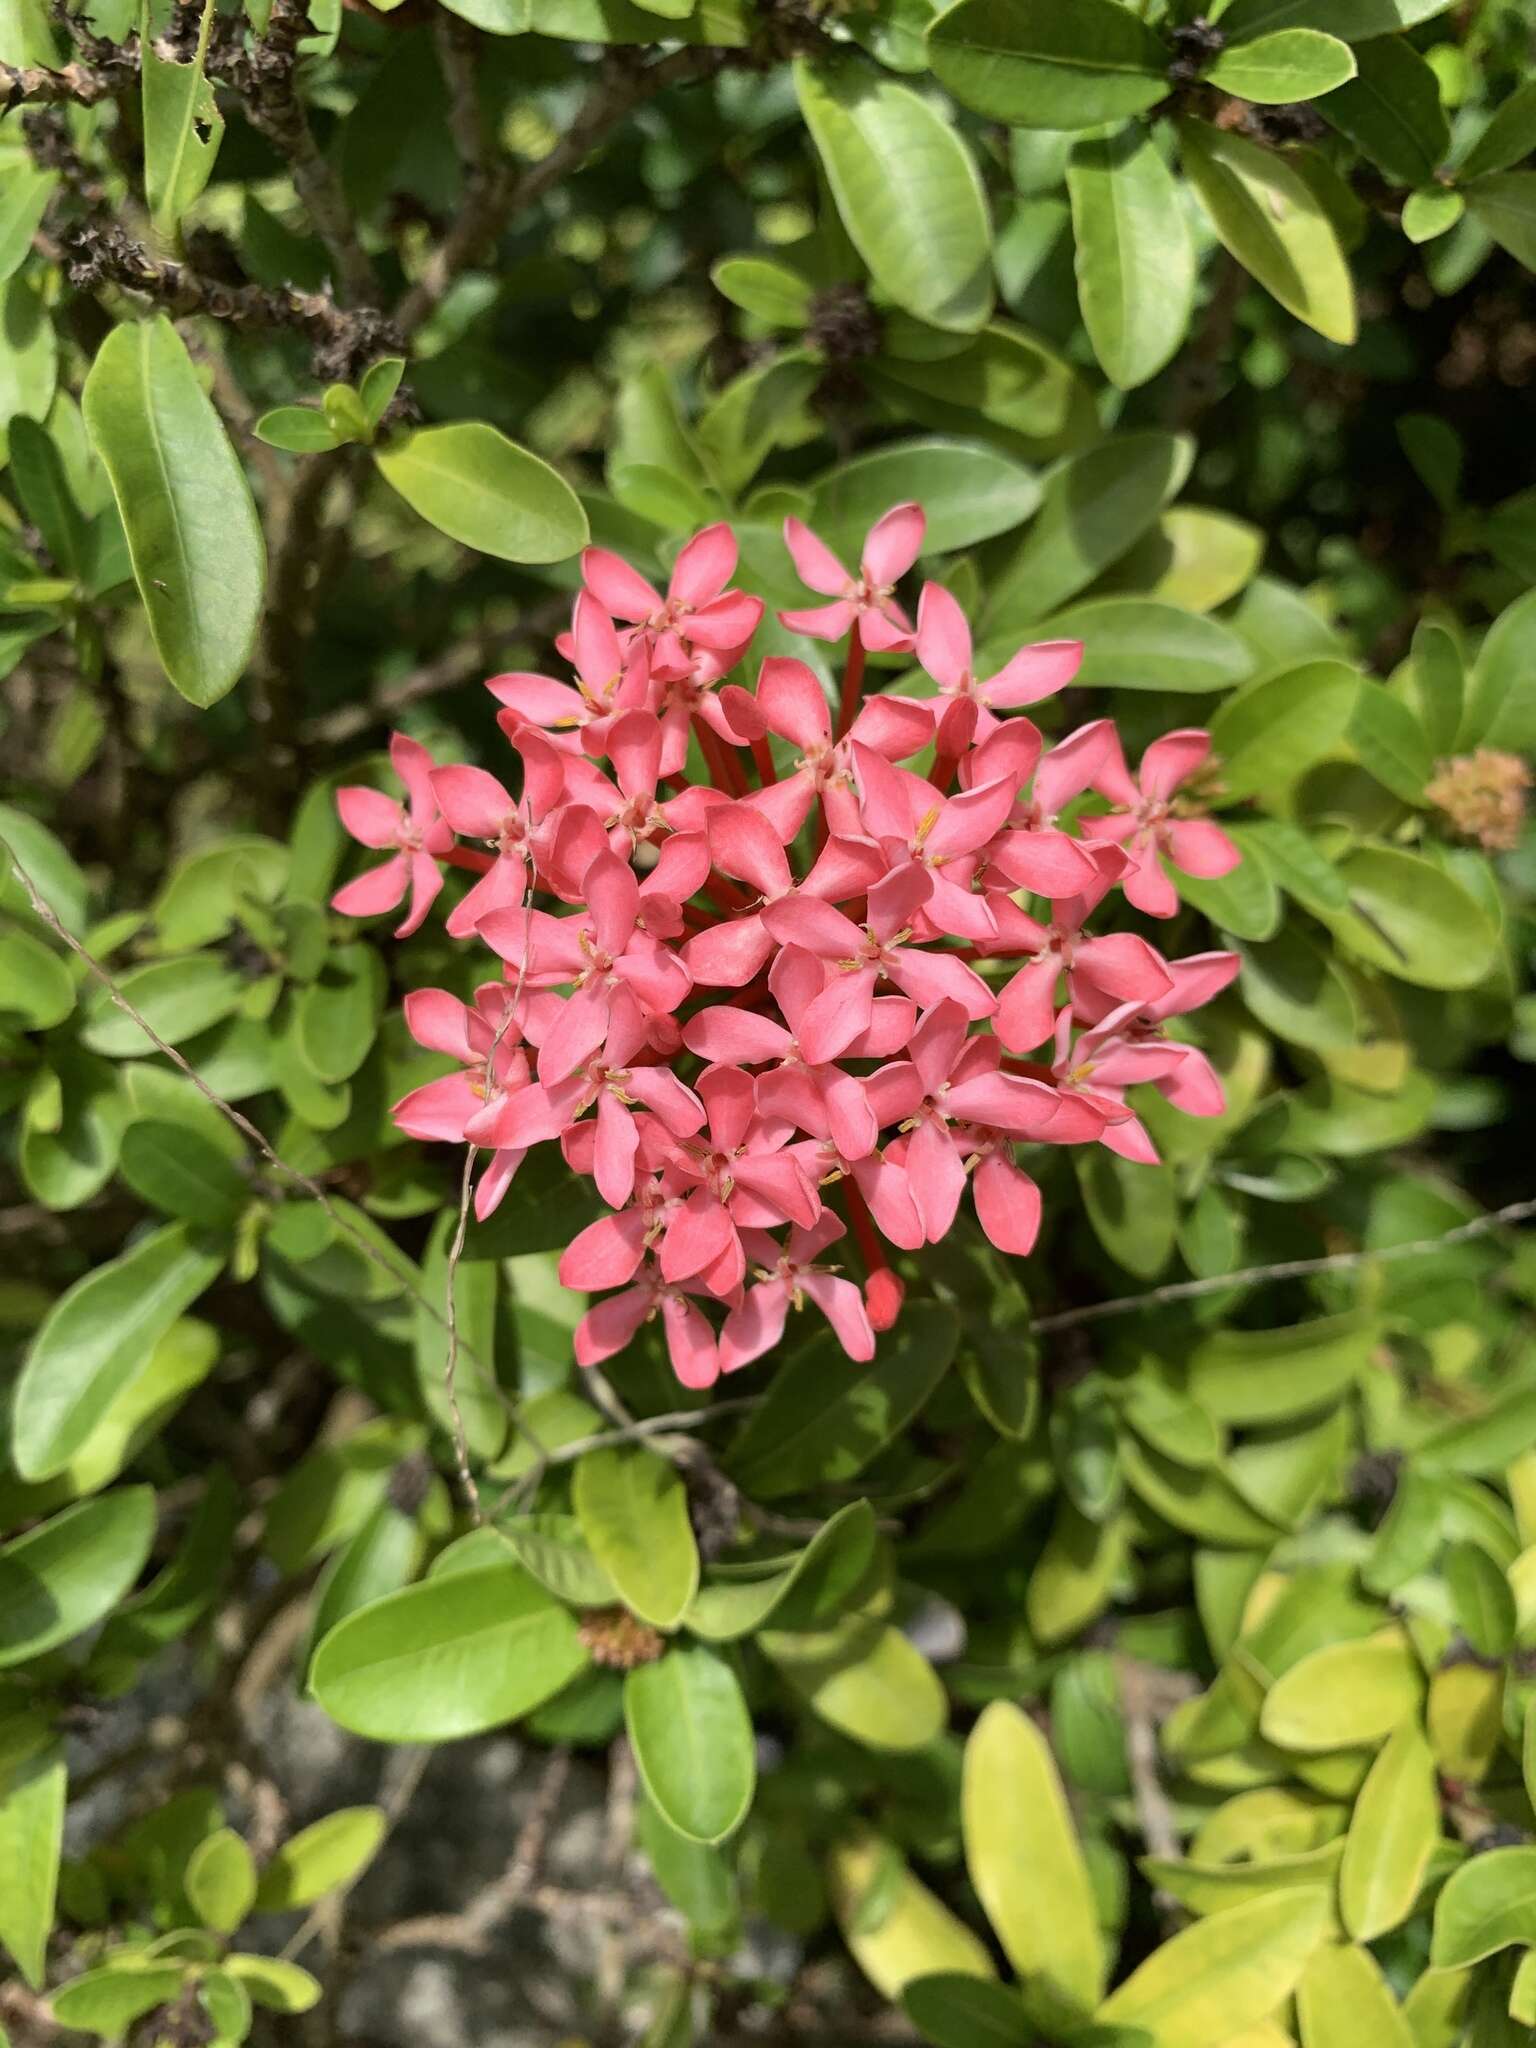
770	291
1135	259
1407	916
176	998
969	491
1191	557
1508	137
1094	506
69	1571
1486	1905
1203	1987
1293	987
633	1510
1431	212
472	483
958	2011
1344	1695
906	188
692	1736
24	195
337	1014
817	1580
1024	1858
1392	1835
1343	1999
1038	65
1392	111
1269	734
1139	643
865	1680
280	1986
1501	691
221	1881
552	1547
1288	64
181	1173
1481	1599
1132	1207
1391	743
37	470
193	536
324	1857
34	982
29	354
1505	206
1355	20
95	1341
183	126
1268	217
824	1417
32	1800
297	429
106	2001
894	1926
452	1656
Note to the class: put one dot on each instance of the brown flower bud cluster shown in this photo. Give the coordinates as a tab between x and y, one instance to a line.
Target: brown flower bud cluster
1483	796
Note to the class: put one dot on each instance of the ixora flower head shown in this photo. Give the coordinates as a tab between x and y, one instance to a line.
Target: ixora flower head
764	966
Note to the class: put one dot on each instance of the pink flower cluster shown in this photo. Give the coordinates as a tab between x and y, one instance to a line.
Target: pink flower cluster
737	1043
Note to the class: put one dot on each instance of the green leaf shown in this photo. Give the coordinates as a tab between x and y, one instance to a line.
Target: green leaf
106	2001
71	1570
29	355
1509	136
193	536
771	292
1391	743
692	1737
1481	1599
176	998
1501	691
1095	505
1432	211
1138	643
297	429
1268	217
38	474
633	1510
324	1857
1505	205
1224	1974
280	1986
1408	917
181	1173
1291	64
1036	64
1293	987
32	1799
1135	259
551	1546
821	1576
956	2011
1271	733
1355	20
1249	1377
55	873
865	1680
895	1928
452	1656
380	383
1132	1207
1392	1835
824	1418
182	126
1191	557
34	982
221	1881
1486	1905
24	194
907	191
1344	1695
970	492
1392	111
1024	1858
479	488
97	1339
1343	1999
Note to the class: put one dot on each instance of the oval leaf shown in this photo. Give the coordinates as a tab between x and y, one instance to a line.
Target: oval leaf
1038	64
633	1510
472	483
693	1742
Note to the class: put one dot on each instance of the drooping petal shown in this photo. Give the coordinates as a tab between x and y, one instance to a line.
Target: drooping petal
473	802
821	622
755	1327
838	1016
577	1032
792	701
894	726
695	1235
936	1044
437	1112
439	1021
886	630
745	845
413	764
503	885
936	1174
735	1037
728	955
634	747
781	1182
606	1254
1026	1008
808	922
1197	980
667	1099
855	1131
1123	966
841	1302
895	900
929	978
1195	1086
378	890
1148	888
613	896
599	653
1077	762
609	1325
1201	848
968	821
1007	1205
538	699
614	1154
495	1180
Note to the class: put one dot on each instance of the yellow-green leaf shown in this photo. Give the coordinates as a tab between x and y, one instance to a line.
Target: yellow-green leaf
1202	1988
1344	2002
633	1510
1392	1834
1024	1859
895	1928
1344	1694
